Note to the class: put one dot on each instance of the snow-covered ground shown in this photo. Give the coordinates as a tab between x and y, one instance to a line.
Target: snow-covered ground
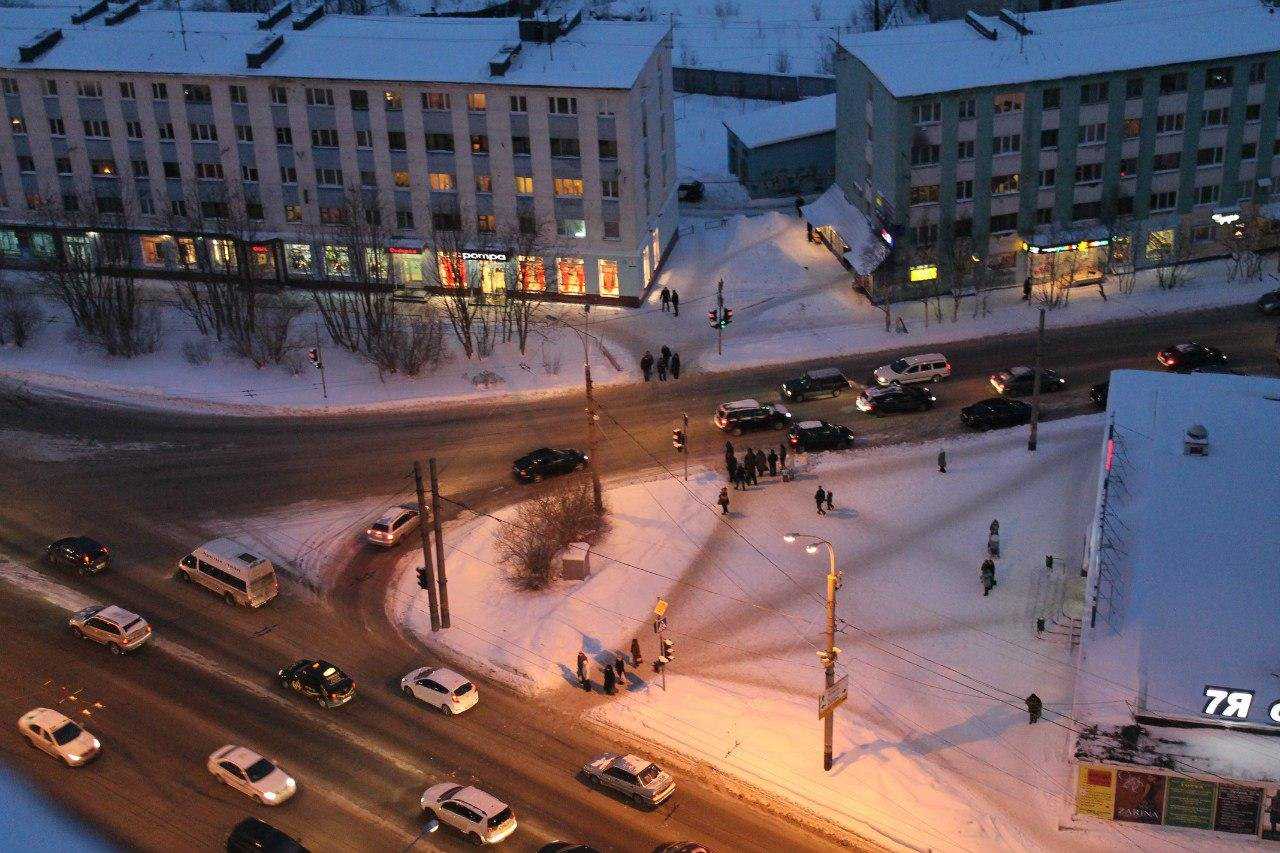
702	154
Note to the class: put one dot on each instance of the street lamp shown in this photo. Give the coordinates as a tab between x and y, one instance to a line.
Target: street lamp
829	655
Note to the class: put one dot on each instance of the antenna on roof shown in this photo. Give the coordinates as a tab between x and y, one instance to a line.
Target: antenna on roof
182	25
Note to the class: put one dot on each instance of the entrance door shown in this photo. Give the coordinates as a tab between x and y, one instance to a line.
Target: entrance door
493	280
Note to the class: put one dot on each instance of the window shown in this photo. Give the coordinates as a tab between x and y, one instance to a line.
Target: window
244	133
9	85
297	258
1093	134
1051	99
1168	161
1128	167
89	88
97	129
964	190
1082	210
395	140
370	179
364	138
293	213
608	149
103	168
1088	173
608	271
109	204
328	177
63	165
1133	88
484	183
284	136
562	106
1208	195
57	128
924	234
924	194
26	164
524	185
279	95
1007	102
238	94
324	137
1171	123
1005	184
609	187
18	125
404	219
1047	177
400	178
519	104
1044	215
249	174
209	171
215	209
479	143
439	142
1209	156
1006	144
476	102
319	97
929	112
1004	223
612	229
133	129
172	171
964	149
568	186
571	275
441	182
196	93
1165	200
288	175
1172	83
165	130
140	168
571	228
1216	117
435	101
159	92
924	155
563	147
1132	128
1219	77
1094	93
1257	72
70	202
1249	151
1049	138
393	101
49	87
486	223
1253	112
203	133
966	108
520	145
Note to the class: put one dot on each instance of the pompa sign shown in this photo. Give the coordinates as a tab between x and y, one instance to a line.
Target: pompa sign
500	257
1227	703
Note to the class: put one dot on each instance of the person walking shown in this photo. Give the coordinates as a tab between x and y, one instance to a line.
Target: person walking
724	500
994	528
1034	707
583	681
749	460
620	665
988	577
782	454
1026	289
731	467
636	657
662	370
666	300
761	464
675	365
799	206
646	364
831	500
752	473
942	461
664	362
675	303
773	462
820	498
610	680
993	546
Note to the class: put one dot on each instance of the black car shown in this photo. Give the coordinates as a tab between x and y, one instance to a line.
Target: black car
85	555
257	836
895	398
547	462
691	191
824	382
819	435
681	847
996	412
319	680
1098	394
1190	356
749	415
1269	303
566	847
1020	381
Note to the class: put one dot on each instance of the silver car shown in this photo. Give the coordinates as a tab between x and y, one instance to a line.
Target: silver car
638	779
111	626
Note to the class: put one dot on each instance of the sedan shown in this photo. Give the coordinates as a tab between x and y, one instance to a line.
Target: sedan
85	555
636	778
1020	381
895	398
53	732
1269	303
996	412
443	689
546	462
319	680
1190	355
808	436
251	774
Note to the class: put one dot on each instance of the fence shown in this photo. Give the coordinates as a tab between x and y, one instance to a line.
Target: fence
758	86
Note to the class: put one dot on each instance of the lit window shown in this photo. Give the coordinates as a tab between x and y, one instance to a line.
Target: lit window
532	273
486	223
484	183
476	102
452	269
297	258
524	185
568	186
609	278
441	182
571	275
337	261
401	178
394	101
571	228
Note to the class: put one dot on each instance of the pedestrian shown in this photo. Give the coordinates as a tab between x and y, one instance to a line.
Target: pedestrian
799	207
646	364
749	461
820	498
675	365
664	355
1026	289
988	577
782	454
728	448
994	529
993	546
1034	707
831	500
636	657
666	299
942	461
675	303
610	680
773	462
583	681
731	467
724	501
752	475
808	226
662	370
620	665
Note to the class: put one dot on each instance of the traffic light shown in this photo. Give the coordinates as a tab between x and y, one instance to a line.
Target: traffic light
314	355
713	318
668	649
424	580
728	316
678	439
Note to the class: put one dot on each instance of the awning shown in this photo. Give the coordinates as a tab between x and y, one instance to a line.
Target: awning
1057	238
866	251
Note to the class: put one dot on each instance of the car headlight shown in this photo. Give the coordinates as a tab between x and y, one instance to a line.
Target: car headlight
97	744
72	756
268	795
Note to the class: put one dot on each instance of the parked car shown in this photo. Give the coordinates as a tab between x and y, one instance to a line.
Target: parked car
996	412
1190	355
257	836
111	626
895	398
636	778
691	191
85	555
566	847
1269	303
928	367
249	773
1098	394
53	732
481	817
741	416
823	382
441	688
319	680
1021	380
546	462
809	436
389	529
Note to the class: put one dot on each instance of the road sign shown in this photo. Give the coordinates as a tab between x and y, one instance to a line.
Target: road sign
833	697
660	609
659	624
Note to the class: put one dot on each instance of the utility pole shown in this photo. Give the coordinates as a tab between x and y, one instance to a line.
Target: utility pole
685	418
597	494
435	522
319	360
427	577
720	318
829	721
1035	387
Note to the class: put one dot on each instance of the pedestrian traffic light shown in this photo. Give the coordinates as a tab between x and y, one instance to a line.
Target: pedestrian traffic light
713	318
668	649
677	439
728	316
424	580
314	355
659	664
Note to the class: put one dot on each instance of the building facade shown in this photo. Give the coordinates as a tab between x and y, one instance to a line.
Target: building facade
785	150
311	149
1120	132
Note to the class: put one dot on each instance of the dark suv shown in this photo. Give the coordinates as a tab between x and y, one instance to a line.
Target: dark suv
824	382
257	836
819	435
85	555
748	415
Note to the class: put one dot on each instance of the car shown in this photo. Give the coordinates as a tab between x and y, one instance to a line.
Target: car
481	817
85	555
691	191
249	773
895	398
546	462
741	416
257	836
53	732
319	680
1098	394
1021	380
638	779
111	626
1190	355
442	688
681	847
808	436
1269	303
910	369
996	412
824	382
566	847
392	526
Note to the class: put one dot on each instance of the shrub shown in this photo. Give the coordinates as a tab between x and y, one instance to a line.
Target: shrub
544	527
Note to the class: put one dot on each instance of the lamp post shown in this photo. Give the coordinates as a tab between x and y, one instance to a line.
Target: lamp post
828	656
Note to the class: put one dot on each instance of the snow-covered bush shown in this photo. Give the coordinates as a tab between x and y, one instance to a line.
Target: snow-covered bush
20	316
543	528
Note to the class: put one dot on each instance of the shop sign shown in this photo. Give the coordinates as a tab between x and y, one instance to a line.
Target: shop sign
1238	809
1082	246
404	250
924	272
260	249
1189	802
1140	797
1230	703
500	257
1096	792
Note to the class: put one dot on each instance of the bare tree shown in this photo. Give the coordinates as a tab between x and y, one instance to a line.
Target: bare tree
873	14
782	62
20	315
544	527
815	9
1170	256
963	264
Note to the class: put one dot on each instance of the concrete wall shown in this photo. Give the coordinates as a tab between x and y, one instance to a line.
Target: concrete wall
746	84
797	166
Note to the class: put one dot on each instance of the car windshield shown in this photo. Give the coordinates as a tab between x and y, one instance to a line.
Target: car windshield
258	770
648	774
500	818
66	733
381	527
899	366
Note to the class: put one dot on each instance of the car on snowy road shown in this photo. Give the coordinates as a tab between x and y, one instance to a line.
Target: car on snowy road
319	680
1021	380
824	382
53	732
913	369
85	555
996	412
1269	303
481	817
545	462
257	836
249	773
809	436
443	689
895	398
566	847
741	416
1191	355
636	778
111	626
392	526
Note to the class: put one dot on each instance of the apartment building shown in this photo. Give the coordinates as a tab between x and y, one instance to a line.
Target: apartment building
1127	130
495	154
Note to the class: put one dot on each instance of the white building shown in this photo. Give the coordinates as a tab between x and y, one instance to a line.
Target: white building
485	139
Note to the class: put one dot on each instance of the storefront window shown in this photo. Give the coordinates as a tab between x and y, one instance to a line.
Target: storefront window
297	258
452	269
1160	243
406	267
532	273
609	278
261	261
492	276
9	242
376	266
159	250
337	261
571	274
222	254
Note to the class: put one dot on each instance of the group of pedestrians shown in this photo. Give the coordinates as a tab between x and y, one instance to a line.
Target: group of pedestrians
613	669
670	301
825	499
747	471
668	364
988	570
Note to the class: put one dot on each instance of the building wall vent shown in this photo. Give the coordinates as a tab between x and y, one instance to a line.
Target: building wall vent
275	15
257	56
39	45
124	13
79	16
308	16
974	21
1196	442
1012	19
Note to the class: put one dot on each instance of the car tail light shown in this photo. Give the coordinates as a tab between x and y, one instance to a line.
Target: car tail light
946	365
795	439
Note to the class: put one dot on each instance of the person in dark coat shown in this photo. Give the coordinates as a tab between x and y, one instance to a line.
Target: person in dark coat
820	498
666	299
620	665
583	681
636	657
675	303
724	501
1026	289
752	476
610	680
799	205
675	365
664	355
731	467
1034	707
761	464
942	461
749	461
782	454
773	462
662	370
988	576
994	529
831	500
646	364
728	448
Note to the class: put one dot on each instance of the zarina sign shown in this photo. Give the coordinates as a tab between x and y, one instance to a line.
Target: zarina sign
1231	704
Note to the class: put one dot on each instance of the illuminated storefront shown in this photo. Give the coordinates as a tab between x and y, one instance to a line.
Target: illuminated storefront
222	255
164	251
298	260
337	261
608	278
488	270
452	269
262	262
1067	259
407	264
571	276
532	273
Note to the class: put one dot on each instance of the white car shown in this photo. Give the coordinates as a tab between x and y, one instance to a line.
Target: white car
251	774
482	818
392	526
114	627
929	367
56	734
640	780
442	688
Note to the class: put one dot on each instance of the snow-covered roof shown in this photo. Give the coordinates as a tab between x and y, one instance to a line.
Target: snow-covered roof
1087	40
832	209
796	120
1184	570
595	54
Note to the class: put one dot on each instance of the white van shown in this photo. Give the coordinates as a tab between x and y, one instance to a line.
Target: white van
930	367
232	571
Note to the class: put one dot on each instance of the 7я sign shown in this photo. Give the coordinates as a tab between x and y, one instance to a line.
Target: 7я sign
1229	704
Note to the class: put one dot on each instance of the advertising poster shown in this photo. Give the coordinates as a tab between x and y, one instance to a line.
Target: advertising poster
1271	816
1139	796
1238	809
1189	802
1096	792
